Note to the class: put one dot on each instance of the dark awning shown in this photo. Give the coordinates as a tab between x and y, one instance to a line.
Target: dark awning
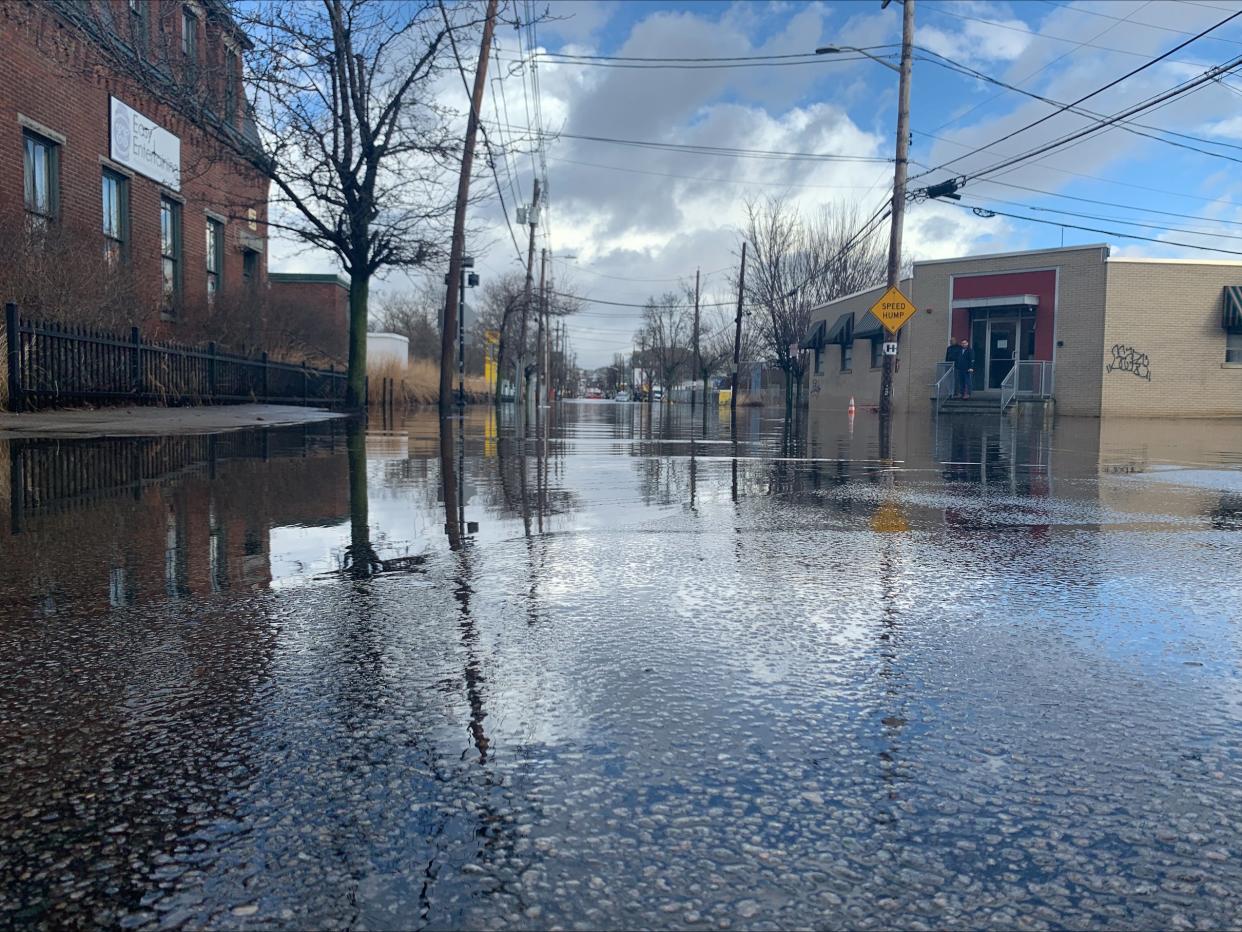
869	328
842	331
1232	320
815	339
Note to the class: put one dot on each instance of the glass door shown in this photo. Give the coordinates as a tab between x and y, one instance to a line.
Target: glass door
1002	350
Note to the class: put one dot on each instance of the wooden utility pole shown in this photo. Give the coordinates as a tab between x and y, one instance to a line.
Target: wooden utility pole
698	356
540	373
899	204
737	343
449	330
520	388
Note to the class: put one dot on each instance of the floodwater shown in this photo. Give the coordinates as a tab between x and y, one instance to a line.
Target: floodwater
624	674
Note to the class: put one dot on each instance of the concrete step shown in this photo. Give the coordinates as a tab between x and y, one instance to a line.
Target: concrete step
971	406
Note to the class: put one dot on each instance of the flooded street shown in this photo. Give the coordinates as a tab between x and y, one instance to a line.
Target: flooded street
630	674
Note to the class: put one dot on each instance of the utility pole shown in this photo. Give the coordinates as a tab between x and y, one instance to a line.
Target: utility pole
899	207
540	376
458	247
520	388
737	343
698	356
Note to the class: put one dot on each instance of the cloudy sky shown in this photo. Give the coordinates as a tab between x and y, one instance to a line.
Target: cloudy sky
639	220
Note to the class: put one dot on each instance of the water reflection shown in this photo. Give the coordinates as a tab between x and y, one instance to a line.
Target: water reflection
626	669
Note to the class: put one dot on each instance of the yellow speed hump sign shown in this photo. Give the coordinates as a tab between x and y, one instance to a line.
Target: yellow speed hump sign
894	309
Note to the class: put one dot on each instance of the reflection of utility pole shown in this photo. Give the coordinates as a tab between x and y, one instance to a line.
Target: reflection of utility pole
737	343
458	247
898	214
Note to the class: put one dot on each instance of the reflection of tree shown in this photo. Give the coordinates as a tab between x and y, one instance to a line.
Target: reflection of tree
361	560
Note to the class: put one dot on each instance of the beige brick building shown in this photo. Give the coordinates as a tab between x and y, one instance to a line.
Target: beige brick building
1099	335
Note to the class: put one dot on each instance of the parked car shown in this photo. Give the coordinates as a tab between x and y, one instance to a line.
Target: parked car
622	395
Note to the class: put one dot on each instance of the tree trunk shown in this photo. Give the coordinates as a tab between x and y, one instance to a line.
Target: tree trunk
500	359
788	393
356	384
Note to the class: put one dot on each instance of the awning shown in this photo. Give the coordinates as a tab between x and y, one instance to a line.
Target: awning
815	339
1232	320
869	328
842	331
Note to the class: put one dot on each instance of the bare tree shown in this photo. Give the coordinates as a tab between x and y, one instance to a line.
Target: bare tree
414	314
797	264
666	337
360	151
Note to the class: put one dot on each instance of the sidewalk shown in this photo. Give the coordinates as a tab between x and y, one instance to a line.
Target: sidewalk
148	421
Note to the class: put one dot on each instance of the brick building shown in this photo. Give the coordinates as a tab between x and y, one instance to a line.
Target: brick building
1095	334
121	192
320	303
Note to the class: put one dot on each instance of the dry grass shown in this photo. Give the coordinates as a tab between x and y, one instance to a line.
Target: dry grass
418	384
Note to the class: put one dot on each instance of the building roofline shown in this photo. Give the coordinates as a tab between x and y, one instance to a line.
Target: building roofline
1153	261
321	278
856	294
1021	252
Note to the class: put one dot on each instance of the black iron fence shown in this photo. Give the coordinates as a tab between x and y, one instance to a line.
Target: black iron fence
54	364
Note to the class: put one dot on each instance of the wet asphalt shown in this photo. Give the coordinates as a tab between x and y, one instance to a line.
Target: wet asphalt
624	672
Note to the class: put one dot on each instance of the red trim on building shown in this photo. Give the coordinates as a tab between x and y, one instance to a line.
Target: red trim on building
1042	284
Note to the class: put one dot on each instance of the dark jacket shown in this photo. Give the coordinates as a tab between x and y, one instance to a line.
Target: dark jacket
965	360
951	354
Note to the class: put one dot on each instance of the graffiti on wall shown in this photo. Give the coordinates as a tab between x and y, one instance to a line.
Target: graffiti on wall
1128	359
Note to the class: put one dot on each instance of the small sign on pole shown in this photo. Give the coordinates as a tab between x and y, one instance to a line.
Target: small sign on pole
890	349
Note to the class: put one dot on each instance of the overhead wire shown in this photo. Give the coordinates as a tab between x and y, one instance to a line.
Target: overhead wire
1061	109
982	212
1123	220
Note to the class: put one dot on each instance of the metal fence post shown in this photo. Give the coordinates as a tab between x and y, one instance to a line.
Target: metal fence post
305	385
135	361
211	371
12	321
263	377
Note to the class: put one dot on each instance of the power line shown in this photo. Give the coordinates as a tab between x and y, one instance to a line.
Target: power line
1043	35
1148	104
677	66
1042	68
1091	200
1128	222
981	212
729	151
1119	19
711	180
1046	117
725	58
576	297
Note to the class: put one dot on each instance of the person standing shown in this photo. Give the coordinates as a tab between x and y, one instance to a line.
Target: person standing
950	356
964	365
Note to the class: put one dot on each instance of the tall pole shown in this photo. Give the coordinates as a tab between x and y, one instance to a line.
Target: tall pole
540	374
737	343
899	206
458	247
530	271
698	356
461	342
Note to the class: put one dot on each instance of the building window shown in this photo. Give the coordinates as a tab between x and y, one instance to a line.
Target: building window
115	215
847	357
215	256
189	34
877	354
170	251
819	360
1233	347
250	268
40	177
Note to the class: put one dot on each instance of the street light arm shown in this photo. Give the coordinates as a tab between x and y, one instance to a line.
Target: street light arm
835	49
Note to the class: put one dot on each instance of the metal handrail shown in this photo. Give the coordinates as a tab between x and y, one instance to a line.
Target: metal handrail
1009	387
944	383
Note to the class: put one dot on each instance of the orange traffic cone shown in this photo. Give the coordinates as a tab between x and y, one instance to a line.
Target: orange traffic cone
851	407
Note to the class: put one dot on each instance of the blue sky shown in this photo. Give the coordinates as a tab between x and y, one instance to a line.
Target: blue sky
639	219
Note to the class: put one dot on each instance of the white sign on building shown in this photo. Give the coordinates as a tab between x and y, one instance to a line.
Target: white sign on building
144	146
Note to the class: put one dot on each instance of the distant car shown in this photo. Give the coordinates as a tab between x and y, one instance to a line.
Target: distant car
621	396
594	393
657	394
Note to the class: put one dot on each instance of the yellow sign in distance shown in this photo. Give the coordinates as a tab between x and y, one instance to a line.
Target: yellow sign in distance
894	309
